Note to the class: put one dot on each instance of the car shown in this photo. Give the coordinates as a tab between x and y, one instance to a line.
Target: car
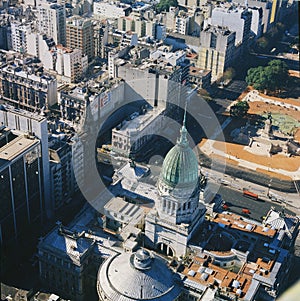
246	211
225	206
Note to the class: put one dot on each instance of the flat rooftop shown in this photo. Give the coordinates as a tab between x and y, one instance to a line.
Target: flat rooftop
235	221
16	147
137	124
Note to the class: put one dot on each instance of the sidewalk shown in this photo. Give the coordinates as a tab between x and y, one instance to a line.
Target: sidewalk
289	199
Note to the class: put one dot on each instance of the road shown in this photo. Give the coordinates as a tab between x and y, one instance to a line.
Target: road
237	201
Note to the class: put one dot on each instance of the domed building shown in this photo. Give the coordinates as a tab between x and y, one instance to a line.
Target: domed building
137	276
178	208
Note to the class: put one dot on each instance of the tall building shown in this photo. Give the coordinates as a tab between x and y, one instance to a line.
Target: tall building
19	36
266	7
237	19
217	50
52	20
69	64
21	184
32	125
79	34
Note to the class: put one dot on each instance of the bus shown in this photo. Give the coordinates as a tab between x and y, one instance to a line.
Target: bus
250	194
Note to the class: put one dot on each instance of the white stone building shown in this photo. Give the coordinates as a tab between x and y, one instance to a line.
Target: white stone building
130	136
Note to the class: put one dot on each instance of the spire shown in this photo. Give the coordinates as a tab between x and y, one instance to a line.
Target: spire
183	132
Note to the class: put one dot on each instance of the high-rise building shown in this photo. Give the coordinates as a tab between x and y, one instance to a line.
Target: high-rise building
21	184
52	20
32	125
19	35
237	19
217	50
79	34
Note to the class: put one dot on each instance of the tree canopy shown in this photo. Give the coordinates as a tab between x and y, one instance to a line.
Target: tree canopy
239	109
164	5
273	76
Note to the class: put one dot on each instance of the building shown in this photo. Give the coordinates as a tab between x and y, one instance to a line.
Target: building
200	77
217	50
24	84
266	7
224	256
62	180
184	23
111	10
33	125
21	183
237	19
52	20
130	136
256	23
179	210
79	34
19	35
145	276
70	64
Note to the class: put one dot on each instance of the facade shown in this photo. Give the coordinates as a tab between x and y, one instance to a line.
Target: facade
62	178
33	125
110	10
68	262
256	23
130	136
21	182
19	36
200	77
79	34
26	86
52	20
69	64
266	7
237	19
217	50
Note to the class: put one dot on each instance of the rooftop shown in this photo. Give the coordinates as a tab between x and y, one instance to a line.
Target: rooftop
15	148
235	221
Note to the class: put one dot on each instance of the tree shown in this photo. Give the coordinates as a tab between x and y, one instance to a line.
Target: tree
272	77
239	109
229	74
164	5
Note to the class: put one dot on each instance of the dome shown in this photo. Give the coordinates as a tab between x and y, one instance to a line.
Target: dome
180	166
150	279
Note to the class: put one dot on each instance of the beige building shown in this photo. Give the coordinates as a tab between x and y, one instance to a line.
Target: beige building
79	34
217	50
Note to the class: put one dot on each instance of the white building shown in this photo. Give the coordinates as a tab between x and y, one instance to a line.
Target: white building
110	10
237	19
129	137
52	20
70	64
19	36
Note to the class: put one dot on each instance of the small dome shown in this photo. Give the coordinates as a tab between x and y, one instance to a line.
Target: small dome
142	260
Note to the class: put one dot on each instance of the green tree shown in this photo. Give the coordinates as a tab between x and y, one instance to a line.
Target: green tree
239	109
263	43
270	78
164	5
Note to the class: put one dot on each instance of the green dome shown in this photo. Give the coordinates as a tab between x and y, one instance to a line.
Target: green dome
180	167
